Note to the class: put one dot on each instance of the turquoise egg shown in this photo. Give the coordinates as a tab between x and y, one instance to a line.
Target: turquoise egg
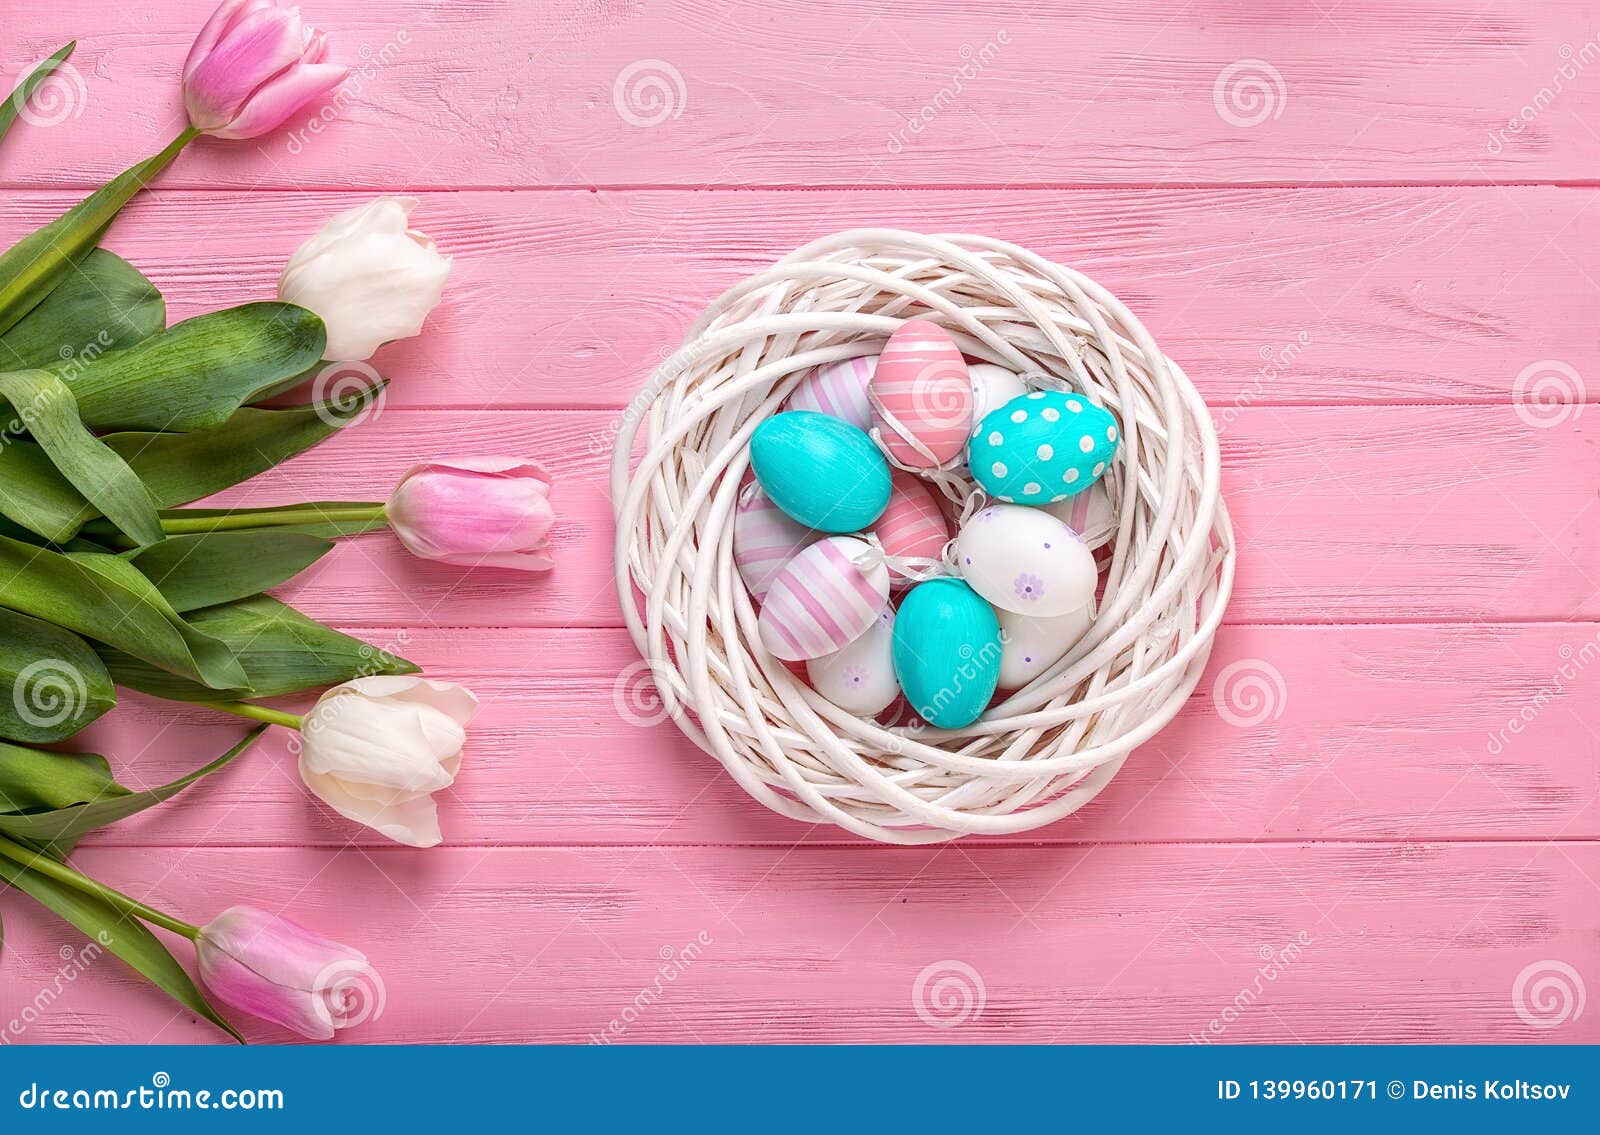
947	652
821	470
1042	447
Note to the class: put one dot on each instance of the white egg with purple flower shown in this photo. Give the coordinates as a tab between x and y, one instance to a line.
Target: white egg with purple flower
1025	560
1029	646
859	677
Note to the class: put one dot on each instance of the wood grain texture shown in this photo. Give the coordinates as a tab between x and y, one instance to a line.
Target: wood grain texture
1266	297
511	94
1343	513
1390	942
1361	733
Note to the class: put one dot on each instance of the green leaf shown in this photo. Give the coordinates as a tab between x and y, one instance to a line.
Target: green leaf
104	304
122	934
98	801
209	568
35	495
36	781
195	374
19	97
105	598
52	683
32	268
50	412
281	650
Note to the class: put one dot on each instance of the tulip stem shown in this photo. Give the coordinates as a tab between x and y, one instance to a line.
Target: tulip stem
270	518
256	713
61	873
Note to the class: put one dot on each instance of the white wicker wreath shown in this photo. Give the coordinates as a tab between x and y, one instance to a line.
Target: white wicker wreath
1046	750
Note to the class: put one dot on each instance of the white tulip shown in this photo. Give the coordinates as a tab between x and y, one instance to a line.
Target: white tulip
370	277
376	749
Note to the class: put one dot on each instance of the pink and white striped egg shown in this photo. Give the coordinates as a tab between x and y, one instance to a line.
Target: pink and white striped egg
825	599
765	539
921	396
913	524
838	390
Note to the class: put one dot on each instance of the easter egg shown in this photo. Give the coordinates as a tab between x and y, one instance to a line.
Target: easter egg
839	389
765	540
823	472
913	524
1025	560
1090	514
992	387
1046	446
947	652
824	599
921	396
1029	646
860	677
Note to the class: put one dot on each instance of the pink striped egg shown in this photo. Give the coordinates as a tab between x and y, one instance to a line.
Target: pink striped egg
921	396
913	524
765	539
825	599
838	390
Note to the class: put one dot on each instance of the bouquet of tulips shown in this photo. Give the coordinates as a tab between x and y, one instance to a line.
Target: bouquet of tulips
114	423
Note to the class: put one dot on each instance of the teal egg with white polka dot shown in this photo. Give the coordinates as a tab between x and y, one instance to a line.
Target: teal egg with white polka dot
1042	447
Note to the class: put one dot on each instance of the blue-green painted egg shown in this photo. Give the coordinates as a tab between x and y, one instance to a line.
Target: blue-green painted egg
947	652
1042	447
822	471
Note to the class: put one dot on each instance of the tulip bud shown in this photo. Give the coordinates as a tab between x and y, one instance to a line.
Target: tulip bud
376	749
370	278
252	66
475	511
281	972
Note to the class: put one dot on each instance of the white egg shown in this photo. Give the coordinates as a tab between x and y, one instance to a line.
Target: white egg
1029	646
1023	559
992	387
860	677
1090	514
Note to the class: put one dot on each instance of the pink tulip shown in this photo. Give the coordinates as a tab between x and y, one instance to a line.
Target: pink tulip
252	66
491	510
281	972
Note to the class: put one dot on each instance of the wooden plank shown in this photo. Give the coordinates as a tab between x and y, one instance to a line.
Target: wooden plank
1360	733
695	92
1374	943
1265	296
1342	514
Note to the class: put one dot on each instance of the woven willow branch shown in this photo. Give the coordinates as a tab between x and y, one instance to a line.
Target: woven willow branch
1049	748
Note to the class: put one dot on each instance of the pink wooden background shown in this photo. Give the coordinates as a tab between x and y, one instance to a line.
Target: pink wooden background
1369	275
